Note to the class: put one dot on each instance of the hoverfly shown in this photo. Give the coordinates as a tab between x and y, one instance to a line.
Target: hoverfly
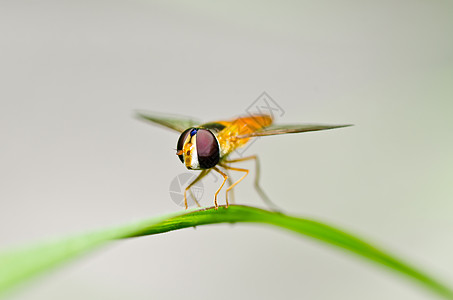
207	146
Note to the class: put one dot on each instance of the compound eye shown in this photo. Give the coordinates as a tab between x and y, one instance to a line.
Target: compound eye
207	149
180	145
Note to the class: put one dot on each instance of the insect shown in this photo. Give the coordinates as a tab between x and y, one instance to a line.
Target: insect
207	146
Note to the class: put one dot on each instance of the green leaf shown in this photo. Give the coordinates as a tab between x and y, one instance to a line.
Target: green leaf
17	265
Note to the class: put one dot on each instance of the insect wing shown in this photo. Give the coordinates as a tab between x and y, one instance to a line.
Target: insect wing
289	128
175	122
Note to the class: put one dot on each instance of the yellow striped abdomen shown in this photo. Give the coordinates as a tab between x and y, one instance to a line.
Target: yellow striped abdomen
241	126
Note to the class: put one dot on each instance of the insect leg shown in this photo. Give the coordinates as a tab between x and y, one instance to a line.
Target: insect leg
225	177
257	180
230	183
239	180
199	177
193	197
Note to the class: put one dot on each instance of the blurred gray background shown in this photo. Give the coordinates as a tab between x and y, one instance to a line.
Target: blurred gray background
73	158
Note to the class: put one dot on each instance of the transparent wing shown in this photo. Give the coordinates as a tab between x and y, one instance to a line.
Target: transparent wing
175	122
289	128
